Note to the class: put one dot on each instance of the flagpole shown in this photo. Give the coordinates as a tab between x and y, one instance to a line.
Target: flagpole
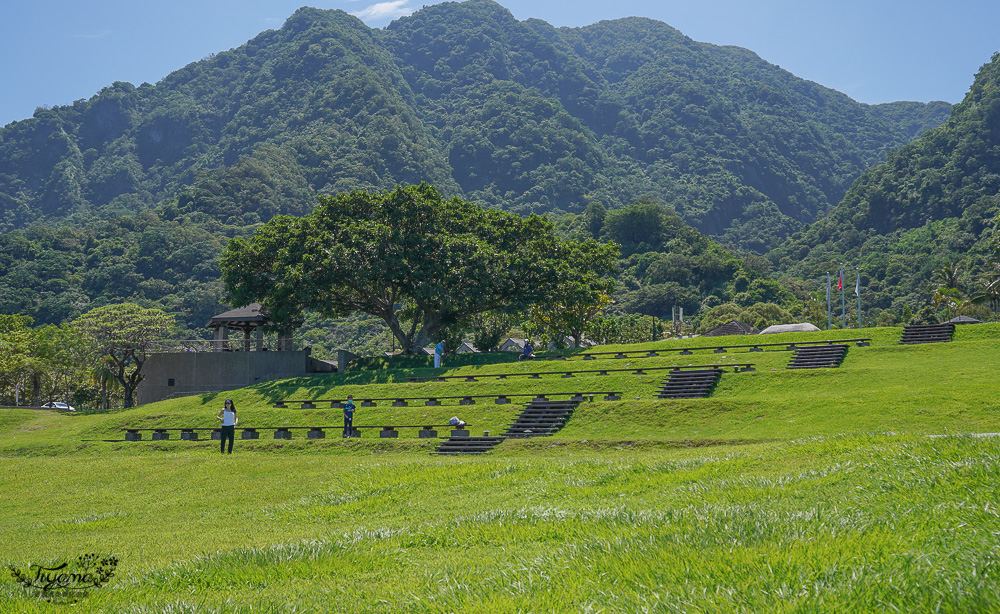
829	316
843	296
857	290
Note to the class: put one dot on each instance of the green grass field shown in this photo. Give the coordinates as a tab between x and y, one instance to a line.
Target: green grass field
786	491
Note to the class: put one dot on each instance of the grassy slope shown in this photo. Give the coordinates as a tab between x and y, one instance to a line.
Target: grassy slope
812	505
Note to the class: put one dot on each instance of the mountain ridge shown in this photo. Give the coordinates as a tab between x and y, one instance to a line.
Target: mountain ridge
513	114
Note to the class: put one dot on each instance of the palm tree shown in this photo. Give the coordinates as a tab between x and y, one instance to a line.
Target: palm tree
947	286
948	276
988	287
104	378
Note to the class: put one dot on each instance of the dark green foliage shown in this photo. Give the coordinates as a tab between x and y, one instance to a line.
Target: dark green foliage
631	328
931	203
760	315
56	274
666	264
317	106
490	328
422	264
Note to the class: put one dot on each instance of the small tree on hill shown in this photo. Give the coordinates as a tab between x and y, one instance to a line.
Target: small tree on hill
123	335
584	291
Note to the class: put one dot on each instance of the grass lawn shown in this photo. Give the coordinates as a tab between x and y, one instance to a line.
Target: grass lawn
786	491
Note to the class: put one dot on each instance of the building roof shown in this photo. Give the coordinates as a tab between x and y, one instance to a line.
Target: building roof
732	327
964	320
511	343
248	317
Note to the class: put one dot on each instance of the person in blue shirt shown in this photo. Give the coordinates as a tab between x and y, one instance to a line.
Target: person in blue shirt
349	416
529	352
438	351
228	431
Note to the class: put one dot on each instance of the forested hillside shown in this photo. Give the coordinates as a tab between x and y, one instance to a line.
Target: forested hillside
518	115
625	130
931	207
55	274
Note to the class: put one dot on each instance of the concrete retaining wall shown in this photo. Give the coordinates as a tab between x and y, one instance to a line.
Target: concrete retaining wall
180	373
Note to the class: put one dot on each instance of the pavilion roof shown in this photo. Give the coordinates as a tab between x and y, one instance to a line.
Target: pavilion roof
249	317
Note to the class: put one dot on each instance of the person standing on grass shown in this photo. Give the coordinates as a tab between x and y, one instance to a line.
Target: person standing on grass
228	418
438	351
349	416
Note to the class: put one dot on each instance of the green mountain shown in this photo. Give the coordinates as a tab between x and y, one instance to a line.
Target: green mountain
932	202
512	114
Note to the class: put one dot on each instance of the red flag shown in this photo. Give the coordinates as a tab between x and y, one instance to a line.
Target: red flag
840	282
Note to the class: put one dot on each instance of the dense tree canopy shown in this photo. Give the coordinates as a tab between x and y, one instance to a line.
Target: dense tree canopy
55	274
419	262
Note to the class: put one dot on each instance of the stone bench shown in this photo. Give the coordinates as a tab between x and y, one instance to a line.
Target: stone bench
738	367
285	432
161	434
432	401
718	349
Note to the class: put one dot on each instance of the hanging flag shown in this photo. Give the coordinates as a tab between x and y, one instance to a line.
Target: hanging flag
840	282
857	287
828	288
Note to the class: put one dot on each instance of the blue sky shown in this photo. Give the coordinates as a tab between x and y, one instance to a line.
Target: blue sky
57	51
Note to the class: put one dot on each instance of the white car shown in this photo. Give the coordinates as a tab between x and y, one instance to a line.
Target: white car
58	405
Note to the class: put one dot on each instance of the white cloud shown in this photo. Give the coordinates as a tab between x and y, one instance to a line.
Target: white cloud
384	10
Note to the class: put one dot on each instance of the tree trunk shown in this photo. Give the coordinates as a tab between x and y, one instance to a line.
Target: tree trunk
129	397
36	390
405	340
120	376
410	341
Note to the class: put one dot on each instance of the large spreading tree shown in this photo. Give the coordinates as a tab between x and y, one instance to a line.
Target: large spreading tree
418	261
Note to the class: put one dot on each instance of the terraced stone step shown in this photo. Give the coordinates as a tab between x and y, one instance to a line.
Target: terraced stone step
468	445
817	357
689	384
927	333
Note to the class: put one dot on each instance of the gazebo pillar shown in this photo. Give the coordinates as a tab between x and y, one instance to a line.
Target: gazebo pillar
221	339
260	338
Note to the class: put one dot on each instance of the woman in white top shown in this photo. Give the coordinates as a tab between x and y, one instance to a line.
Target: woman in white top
228	418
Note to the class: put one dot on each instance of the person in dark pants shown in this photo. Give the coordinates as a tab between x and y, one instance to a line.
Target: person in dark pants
349	416
228	418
